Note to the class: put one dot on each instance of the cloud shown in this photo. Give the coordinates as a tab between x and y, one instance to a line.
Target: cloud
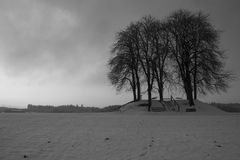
36	36
57	36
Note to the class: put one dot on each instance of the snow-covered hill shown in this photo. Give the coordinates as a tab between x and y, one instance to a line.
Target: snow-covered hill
141	106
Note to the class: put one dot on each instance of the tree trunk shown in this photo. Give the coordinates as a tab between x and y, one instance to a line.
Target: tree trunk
195	77
189	89
160	92
149	98
134	86
195	88
188	85
161	87
190	96
134	95
138	88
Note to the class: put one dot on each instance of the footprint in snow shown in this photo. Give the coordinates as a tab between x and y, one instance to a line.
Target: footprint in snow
151	143
217	145
143	154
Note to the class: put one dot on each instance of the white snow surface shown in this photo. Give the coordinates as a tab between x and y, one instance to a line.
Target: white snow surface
119	136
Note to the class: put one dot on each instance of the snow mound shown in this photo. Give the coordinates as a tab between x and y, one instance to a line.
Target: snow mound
140	106
204	107
200	107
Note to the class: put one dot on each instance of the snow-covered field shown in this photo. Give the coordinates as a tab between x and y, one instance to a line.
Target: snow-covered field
119	136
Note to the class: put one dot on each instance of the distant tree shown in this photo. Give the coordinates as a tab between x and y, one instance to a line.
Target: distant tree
184	47
124	64
195	49
134	55
208	60
179	23
121	76
146	32
133	35
160	43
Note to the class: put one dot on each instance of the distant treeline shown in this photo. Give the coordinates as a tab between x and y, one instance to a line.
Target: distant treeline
70	108
60	109
228	107
12	110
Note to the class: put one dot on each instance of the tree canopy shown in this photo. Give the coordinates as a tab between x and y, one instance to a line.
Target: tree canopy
188	40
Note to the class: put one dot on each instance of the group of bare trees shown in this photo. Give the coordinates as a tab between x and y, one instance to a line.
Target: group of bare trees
181	50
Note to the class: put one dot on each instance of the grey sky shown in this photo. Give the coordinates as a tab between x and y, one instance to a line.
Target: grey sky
55	51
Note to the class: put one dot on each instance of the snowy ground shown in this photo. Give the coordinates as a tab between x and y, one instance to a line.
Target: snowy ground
119	136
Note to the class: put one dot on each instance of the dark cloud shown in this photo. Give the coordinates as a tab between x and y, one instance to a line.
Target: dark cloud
37	36
62	35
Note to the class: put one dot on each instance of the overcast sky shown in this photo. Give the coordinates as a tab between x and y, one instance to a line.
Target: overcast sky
56	51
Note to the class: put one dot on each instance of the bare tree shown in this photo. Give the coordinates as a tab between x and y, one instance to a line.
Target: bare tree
208	60
187	40
179	25
146	33
160	42
121	75
195	48
124	65
133	34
